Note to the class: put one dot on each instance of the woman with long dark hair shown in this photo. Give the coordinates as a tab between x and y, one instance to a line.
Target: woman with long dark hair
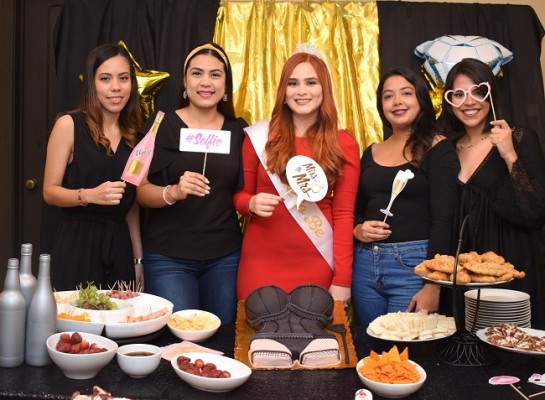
421	225
98	239
501	184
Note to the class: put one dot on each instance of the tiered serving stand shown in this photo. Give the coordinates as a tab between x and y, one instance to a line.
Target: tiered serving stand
466	350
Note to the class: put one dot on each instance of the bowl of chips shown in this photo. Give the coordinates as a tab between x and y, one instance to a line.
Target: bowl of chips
391	374
193	325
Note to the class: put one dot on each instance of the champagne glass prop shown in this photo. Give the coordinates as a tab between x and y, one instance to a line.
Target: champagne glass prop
140	159
400	180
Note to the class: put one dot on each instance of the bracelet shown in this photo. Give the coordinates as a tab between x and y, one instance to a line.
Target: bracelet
80	199
166	197
139	261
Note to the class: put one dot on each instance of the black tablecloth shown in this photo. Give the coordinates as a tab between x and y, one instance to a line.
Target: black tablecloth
445	381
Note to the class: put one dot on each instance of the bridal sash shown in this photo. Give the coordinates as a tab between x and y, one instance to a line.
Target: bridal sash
309	216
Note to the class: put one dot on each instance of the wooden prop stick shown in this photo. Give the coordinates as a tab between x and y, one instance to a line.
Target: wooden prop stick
537	394
492	105
204	166
519	392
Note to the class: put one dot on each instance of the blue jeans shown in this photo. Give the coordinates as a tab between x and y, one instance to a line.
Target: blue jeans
383	277
189	284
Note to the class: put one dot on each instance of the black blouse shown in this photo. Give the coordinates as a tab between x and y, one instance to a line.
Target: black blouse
506	210
197	228
424	209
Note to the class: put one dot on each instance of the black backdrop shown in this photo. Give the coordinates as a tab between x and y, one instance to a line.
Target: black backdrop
158	33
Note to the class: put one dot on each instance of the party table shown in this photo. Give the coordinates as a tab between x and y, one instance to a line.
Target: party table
444	381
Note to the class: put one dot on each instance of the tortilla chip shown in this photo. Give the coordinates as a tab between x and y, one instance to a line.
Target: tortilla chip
390	367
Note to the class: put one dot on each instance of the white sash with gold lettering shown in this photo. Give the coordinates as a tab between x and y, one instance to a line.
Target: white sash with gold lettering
309	216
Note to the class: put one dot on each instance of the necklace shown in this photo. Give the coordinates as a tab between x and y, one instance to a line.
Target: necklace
461	146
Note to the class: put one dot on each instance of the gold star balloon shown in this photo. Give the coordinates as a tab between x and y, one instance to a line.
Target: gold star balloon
149	84
436	93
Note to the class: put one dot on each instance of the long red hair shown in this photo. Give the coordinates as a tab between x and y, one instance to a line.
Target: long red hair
322	134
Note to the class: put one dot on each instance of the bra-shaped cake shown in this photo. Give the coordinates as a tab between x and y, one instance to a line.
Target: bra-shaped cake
289	327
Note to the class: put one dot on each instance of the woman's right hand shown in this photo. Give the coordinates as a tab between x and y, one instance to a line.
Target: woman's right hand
263	204
372	231
190	183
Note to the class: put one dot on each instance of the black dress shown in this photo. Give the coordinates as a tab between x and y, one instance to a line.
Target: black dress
506	211
93	243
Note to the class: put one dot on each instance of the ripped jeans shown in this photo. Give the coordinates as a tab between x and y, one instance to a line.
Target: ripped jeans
383	277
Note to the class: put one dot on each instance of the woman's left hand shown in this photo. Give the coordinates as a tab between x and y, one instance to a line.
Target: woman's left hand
426	298
340	293
501	136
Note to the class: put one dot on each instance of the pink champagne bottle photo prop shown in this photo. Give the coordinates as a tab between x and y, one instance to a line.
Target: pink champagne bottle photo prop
140	159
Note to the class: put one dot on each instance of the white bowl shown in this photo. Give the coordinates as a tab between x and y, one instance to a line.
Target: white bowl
81	366
122	330
124	309
239	372
193	335
64	325
138	360
392	390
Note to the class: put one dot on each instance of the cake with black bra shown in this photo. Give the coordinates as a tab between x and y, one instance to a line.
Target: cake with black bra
290	327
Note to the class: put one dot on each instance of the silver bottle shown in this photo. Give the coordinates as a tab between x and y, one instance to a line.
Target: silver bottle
41	320
28	281
12	318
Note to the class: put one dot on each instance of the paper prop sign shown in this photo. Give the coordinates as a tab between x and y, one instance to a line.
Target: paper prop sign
537	379
442	53
140	159
400	180
306	178
503	380
205	141
363	394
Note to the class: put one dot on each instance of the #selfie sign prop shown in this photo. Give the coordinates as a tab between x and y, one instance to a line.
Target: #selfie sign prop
306	179
205	141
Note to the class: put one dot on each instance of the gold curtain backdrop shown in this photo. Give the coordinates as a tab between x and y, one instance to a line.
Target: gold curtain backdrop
260	36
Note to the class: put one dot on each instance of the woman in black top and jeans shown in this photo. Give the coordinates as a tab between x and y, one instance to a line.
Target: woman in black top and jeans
383	278
192	237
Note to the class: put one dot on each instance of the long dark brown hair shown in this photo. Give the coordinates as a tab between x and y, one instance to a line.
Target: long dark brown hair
130	118
323	135
424	127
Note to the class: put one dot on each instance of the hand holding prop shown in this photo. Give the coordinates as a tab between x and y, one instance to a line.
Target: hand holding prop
306	178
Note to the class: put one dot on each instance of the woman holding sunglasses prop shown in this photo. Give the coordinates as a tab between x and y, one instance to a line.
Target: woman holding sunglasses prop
501	181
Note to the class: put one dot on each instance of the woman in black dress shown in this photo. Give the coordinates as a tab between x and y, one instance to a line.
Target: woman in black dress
98	238
501	184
